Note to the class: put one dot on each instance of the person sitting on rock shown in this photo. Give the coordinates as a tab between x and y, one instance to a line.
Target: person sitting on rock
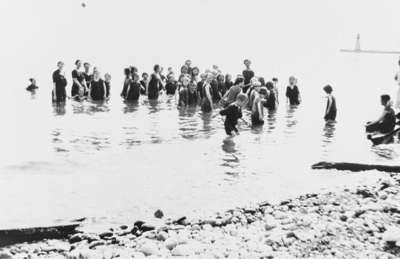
386	121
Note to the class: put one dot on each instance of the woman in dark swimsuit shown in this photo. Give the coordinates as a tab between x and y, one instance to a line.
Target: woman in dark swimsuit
133	92
98	89
155	84
59	83
331	110
127	81
292	92
79	88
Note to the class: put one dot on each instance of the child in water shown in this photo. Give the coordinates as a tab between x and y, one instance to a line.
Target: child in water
233	113
32	87
330	112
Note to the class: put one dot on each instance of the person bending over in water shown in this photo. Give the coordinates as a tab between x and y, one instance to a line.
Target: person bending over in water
133	92
330	111
386	121
32	87
257	109
248	74
233	92
233	113
59	93
79	88
292	92
98	89
127	81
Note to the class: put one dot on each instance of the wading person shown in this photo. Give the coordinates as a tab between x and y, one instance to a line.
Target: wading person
86	74
248	74
233	113
171	85
145	83
270	102
292	92
276	91
331	110
206	96
98	89
387	121
127	81
107	81
32	87
257	109
133	91
78	89
155	84
59	93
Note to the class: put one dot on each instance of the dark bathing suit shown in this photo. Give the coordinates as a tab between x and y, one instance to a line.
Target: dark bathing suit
125	87
143	90
60	82
80	77
248	75
97	90
233	113
293	95
215	91
331	115
270	104
134	92
31	87
170	87
205	103
387	125
154	87
107	88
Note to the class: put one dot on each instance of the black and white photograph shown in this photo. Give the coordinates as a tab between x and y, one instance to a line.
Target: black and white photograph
200	129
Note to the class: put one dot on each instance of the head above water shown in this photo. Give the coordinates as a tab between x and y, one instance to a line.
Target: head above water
86	65
127	72
135	77
247	63
269	85
292	80
96	75
228	77
60	64
184	70
145	76
188	63
78	63
220	78
195	71
385	99
133	69
107	77
328	89
157	68
263	91
32	80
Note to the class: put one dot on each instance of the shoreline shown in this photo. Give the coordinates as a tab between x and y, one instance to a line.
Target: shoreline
359	222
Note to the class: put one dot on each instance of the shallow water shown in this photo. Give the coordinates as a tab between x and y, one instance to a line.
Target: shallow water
116	162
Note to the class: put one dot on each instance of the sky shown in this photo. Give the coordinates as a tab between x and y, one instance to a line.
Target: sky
36	34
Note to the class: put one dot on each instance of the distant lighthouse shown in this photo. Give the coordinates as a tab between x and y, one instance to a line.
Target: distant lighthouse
357	49
358	45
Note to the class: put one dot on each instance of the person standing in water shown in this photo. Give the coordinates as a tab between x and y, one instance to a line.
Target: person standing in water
397	79
292	92
171	85
98	89
78	89
133	91
387	121
32	87
127	81
270	103
257	109
206	96
234	91
275	88
248	74
331	110
107	81
233	113
86	74
59	93
145	83
155	84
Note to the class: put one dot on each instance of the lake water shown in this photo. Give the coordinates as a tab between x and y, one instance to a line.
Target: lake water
115	162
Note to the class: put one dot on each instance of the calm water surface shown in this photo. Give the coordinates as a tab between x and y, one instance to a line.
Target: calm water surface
116	162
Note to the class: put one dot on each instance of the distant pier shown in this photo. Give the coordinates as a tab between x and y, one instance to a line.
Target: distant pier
358	49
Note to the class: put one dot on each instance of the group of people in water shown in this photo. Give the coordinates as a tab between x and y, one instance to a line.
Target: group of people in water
209	90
